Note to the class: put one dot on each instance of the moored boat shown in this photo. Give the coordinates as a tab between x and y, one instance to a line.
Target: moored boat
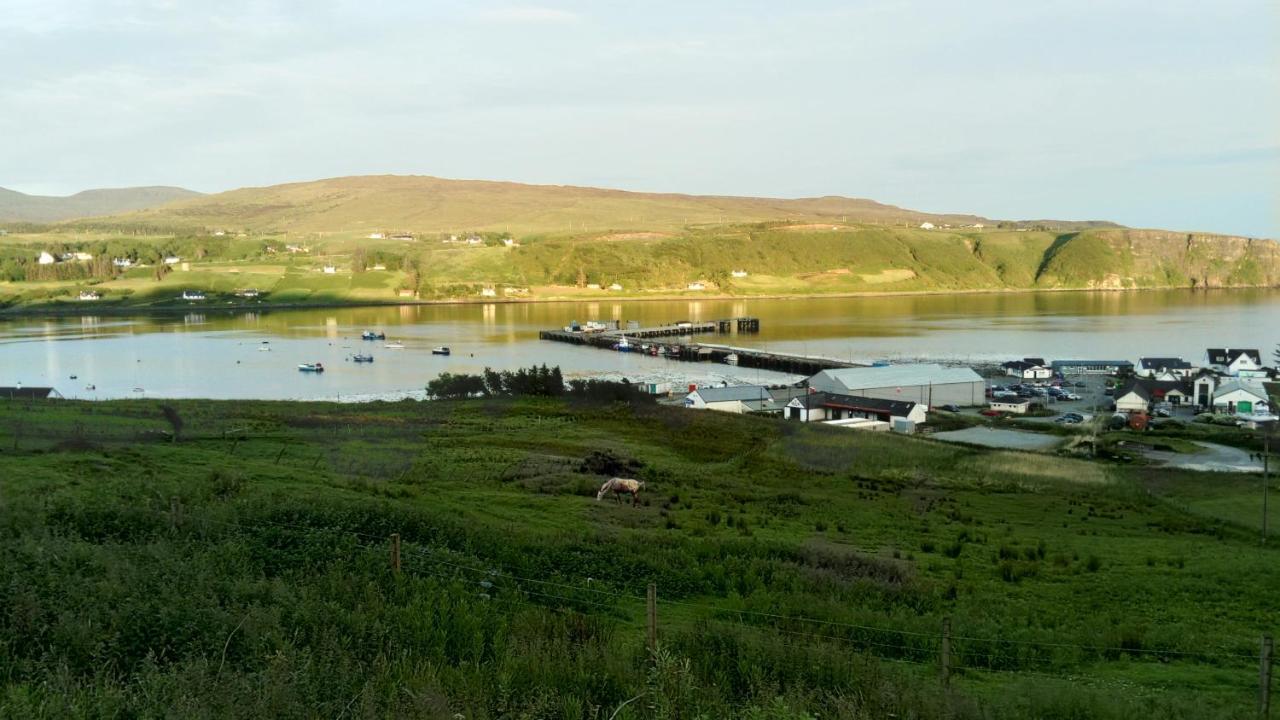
731	359
394	346
311	367
442	350
371	335
362	358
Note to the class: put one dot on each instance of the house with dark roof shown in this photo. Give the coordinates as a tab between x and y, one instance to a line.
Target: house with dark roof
1139	394
828	407
1092	367
737	399
1235	361
1165	368
29	393
1028	369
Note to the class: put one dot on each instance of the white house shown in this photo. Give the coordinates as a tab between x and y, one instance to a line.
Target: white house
1204	385
733	399
1237	361
82	256
739	273
46	259
89	295
1164	368
192	295
828	407
249	293
488	292
697	286
593	286
330	269
1028	369
1013	406
1241	396
615	286
510	242
122	262
926	226
172	260
1133	398
376	236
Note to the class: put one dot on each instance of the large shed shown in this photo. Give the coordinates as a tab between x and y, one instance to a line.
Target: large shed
928	384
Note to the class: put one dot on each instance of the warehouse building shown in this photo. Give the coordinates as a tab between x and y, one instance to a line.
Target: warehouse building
929	385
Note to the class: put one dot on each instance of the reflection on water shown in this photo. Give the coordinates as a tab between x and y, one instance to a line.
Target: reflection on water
210	354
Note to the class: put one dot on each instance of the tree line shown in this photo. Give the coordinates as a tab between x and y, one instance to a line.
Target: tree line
534	381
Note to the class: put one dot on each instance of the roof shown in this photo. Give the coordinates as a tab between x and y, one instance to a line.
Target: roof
1079	363
1135	388
899	408
13	393
1242	385
733	392
1149	389
898	375
1226	356
1163	363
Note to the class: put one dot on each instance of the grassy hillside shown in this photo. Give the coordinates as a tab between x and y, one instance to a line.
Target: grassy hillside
802	572
778	259
433	205
20	207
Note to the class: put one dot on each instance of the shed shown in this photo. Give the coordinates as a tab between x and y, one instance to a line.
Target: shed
29	393
928	384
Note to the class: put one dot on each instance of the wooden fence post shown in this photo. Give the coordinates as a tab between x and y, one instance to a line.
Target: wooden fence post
651	603
944	661
1264	679
395	552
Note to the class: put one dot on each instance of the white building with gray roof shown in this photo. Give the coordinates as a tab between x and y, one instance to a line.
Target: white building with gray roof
928	384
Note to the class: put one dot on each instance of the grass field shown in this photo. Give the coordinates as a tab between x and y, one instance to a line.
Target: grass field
802	571
777	259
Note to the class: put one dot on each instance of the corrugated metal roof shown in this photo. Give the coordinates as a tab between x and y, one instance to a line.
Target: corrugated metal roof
896	375
734	392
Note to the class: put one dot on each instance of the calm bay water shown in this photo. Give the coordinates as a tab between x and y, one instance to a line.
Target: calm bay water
206	353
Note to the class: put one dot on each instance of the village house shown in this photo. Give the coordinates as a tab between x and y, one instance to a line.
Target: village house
510	242
19	392
122	262
1140	394
697	286
927	226
249	293
593	286
928	384
739	273
1235	362
1028	369
825	407
1133	398
615	286
1241	396
172	260
488	292
330	269
46	259
1164	368
737	399
1205	382
192	295
1013	406
375	236
89	295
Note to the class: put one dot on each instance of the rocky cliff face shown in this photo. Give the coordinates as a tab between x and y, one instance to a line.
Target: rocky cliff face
1119	259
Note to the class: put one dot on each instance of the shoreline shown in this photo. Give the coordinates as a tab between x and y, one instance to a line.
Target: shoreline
53	310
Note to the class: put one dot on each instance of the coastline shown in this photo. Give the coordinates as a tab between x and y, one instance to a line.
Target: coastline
67	309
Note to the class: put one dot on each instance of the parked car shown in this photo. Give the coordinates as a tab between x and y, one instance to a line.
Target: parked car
951	408
991	413
1082	384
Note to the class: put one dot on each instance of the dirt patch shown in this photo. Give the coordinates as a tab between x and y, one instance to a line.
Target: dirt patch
888	276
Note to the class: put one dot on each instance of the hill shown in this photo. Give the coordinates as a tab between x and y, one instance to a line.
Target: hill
801	571
429	205
20	207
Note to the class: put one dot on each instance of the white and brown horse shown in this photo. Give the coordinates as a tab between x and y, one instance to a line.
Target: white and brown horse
620	487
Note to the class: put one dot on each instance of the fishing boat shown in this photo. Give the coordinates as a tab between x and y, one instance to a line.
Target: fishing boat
371	335
731	359
442	350
311	367
394	346
362	358
623	346
655	350
264	346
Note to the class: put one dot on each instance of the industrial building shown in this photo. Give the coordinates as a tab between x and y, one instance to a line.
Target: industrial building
928	384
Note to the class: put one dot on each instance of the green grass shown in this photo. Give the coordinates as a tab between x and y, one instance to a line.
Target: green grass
1075	589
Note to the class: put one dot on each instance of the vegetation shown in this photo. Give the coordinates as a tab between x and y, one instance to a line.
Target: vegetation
802	571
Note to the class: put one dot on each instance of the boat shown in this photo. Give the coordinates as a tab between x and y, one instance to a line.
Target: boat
362	358
394	346
731	359
311	367
655	350
371	335
442	350
622	345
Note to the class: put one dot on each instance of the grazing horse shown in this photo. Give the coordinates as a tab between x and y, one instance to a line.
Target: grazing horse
619	487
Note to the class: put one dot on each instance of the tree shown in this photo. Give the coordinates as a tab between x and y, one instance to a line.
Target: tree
359	261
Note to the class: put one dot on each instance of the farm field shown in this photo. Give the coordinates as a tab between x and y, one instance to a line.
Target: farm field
801	571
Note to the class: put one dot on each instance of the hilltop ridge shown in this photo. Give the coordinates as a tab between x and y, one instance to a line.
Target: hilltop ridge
21	207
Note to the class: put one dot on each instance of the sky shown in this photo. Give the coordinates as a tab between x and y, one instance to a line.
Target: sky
1152	114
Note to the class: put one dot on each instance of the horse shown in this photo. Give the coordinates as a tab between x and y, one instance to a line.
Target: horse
619	487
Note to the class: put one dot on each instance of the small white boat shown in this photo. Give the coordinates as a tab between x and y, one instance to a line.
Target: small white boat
394	346
731	359
442	350
311	367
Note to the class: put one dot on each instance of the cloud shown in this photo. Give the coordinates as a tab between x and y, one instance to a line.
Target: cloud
530	15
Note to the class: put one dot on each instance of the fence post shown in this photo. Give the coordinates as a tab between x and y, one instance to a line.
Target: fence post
944	661
1264	679
395	552
651	603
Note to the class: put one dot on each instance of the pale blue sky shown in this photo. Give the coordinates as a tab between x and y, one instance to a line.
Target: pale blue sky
1161	114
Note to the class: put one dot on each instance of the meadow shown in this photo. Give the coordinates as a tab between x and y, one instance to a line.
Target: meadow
802	572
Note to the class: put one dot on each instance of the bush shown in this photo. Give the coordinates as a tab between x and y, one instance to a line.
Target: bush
1093	564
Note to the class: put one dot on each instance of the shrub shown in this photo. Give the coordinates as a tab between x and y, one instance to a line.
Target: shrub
1093	564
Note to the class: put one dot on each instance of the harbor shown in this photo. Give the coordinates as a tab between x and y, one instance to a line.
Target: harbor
676	341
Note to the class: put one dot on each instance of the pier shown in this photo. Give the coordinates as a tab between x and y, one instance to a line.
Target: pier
660	340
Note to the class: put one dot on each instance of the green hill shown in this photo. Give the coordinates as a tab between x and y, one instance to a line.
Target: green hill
429	205
20	207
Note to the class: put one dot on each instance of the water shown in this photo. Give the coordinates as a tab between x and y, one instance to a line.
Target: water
215	354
